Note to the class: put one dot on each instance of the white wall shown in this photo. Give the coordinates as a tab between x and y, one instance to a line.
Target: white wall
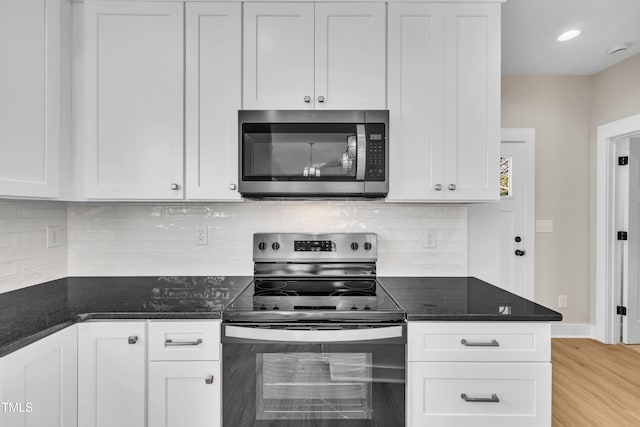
24	258
157	239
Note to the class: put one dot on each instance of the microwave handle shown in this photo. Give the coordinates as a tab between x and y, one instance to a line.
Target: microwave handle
361	159
316	336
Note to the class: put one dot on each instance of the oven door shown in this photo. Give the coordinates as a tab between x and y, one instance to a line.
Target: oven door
314	375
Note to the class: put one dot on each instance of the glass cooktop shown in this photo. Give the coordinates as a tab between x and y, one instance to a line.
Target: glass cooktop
280	300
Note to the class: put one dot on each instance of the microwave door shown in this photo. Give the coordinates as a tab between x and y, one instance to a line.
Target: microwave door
361	160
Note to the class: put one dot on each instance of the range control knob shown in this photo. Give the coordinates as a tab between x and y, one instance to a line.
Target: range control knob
275	246
354	246
367	246
262	246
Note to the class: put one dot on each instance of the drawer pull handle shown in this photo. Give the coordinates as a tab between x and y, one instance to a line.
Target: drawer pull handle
208	379
172	343
492	343
492	399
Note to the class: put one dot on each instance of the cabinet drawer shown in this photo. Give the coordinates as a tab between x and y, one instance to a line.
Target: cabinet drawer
479	341
479	394
184	340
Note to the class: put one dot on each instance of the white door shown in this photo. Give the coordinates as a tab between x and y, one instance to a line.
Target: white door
184	394
111	374
213	97
415	101
350	52
278	56
134	100
30	95
472	100
514	238
42	379
631	247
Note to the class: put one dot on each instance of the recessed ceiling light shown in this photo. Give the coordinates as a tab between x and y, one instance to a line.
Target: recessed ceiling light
568	35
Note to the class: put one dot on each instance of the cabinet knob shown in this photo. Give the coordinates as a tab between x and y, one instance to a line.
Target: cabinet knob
321	99
437	187
208	379
133	339
232	186
307	99
452	187
175	186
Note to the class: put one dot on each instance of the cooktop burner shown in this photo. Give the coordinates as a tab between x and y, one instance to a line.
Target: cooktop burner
314	277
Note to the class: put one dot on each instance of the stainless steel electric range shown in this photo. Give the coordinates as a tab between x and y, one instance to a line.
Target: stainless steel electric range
315	339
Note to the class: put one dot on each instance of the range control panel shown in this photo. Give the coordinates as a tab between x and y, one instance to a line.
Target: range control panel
295	247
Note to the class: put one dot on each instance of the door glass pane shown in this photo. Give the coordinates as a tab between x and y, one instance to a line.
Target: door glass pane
505	176
306	386
299	151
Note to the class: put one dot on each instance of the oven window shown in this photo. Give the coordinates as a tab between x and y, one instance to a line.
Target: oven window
299	152
306	386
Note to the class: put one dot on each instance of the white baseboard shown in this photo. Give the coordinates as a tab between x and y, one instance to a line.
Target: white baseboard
572	330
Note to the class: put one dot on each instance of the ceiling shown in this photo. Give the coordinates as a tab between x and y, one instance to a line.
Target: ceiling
530	28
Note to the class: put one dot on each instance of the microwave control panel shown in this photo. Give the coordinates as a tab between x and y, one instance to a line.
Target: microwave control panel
376	157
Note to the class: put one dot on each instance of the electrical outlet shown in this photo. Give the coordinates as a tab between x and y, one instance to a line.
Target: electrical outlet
429	239
562	301
54	236
201	235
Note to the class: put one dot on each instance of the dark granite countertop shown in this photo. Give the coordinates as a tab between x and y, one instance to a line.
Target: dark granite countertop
462	299
32	313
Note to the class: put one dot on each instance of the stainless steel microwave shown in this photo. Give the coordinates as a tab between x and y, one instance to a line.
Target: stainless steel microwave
313	153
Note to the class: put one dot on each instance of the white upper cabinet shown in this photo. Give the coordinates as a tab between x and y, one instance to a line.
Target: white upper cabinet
30	97
444	101
278	56
350	56
134	62
314	56
213	97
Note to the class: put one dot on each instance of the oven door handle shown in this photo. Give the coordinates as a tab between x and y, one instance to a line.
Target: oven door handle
311	335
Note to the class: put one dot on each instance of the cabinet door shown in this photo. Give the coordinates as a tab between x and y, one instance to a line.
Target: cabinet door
278	56
350	56
446	394
134	100
41	379
472	101
111	374
184	394
213	98
30	100
416	100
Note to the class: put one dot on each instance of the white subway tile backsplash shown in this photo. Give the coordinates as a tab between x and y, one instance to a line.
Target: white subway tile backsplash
148	240
24	258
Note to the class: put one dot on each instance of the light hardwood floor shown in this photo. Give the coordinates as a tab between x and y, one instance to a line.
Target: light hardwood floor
595	384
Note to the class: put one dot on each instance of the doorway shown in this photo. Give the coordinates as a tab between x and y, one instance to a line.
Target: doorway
618	232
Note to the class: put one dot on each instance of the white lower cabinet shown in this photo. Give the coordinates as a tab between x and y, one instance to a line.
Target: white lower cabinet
39	383
111	374
184	374
479	394
479	374
184	394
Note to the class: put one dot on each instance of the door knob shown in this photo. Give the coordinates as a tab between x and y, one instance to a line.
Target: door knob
519	252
